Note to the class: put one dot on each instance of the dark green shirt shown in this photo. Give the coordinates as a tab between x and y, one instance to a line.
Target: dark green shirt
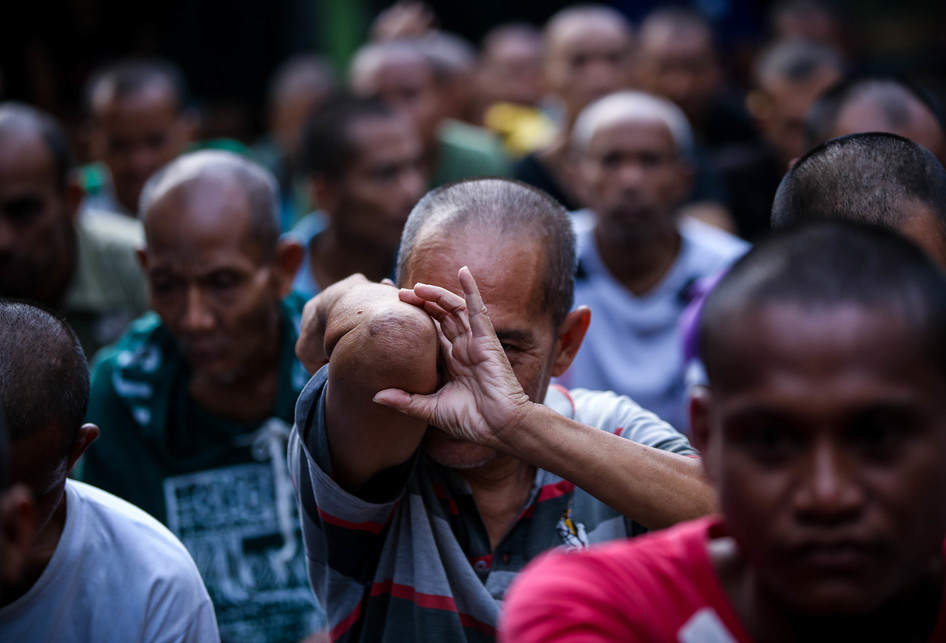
221	486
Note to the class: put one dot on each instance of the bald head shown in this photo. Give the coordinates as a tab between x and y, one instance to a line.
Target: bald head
216	175
877	105
23	122
632	106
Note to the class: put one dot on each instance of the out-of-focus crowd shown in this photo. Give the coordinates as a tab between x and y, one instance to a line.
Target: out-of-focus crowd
460	305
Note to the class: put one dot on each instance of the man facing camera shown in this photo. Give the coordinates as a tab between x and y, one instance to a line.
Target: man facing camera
416	522
823	429
196	401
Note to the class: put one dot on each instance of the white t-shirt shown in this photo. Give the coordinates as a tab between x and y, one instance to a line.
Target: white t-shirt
633	346
116	575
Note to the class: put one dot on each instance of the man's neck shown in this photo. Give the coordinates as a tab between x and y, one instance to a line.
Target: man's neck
910	616
331	259
639	266
41	552
500	490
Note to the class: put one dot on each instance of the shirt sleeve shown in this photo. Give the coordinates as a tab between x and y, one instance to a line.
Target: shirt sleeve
343	534
624	417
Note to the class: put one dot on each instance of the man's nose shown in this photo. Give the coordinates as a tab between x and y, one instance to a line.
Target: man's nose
829	489
198	313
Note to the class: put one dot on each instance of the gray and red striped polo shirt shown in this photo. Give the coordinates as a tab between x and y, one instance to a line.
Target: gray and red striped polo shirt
416	563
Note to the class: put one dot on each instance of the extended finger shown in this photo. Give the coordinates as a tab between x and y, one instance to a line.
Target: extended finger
454	325
479	322
449	301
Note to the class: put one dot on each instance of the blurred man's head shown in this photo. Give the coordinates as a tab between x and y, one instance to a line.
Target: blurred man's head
876	178
296	90
587	54
139	122
789	76
510	69
404	78
823	426
677	59
519	243
808	21
44	391
632	151
38	206
455	61
867	104
215	265
365	165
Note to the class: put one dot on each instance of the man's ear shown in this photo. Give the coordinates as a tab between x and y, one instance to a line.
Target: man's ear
289	256
87	435
701	401
17	528
571	332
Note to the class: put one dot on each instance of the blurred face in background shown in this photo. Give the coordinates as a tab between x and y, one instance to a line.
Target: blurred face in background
586	57
678	61
407	84
136	133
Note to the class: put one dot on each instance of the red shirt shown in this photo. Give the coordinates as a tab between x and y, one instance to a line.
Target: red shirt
659	587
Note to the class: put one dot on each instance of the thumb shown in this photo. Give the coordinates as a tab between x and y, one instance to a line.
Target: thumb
420	407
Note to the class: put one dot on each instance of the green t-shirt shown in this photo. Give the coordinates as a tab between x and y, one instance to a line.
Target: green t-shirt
221	486
466	152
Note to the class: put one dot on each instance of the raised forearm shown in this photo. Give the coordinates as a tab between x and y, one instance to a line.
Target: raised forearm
656	488
374	341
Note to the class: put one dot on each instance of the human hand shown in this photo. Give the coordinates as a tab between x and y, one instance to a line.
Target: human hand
481	395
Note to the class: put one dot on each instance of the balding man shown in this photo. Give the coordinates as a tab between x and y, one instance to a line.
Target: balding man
877	104
415	524
586	55
138	121
196	400
637	260
83	267
412	82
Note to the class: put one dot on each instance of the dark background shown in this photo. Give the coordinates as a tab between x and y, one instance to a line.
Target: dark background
228	48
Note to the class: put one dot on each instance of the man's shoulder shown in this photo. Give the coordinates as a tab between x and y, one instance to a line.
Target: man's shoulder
146	340
709	244
617	414
130	532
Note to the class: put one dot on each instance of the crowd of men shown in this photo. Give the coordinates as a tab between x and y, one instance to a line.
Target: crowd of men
431	360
